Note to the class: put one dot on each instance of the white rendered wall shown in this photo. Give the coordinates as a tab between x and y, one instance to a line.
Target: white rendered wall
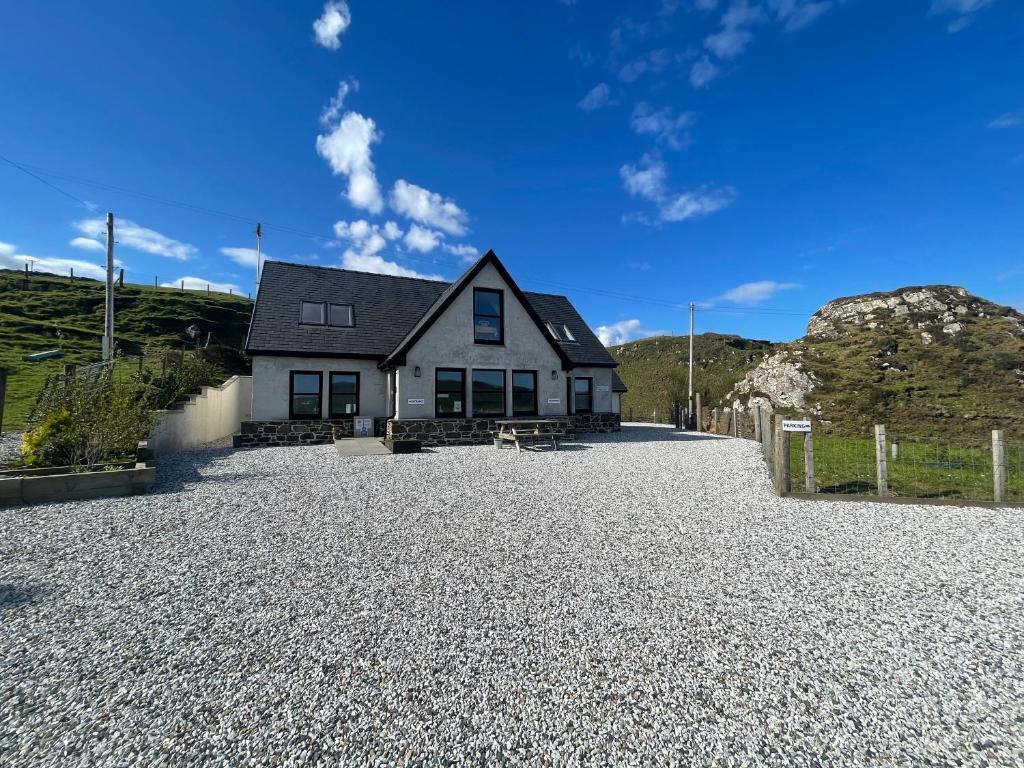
214	414
270	374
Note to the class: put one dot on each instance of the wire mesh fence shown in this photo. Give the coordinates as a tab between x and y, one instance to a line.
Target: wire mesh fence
905	466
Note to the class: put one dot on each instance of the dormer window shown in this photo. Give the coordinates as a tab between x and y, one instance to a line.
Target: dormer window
322	313
488	320
560	331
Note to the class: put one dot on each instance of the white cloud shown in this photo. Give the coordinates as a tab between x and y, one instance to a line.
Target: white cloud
749	294
467	253
797	14
244	256
88	244
702	72
422	239
729	43
333	109
131	235
652	61
11	259
696	204
1007	121
200	284
624	331
374	263
667	127
648	180
365	238
332	23
347	151
428	208
597	97
963	10
742	14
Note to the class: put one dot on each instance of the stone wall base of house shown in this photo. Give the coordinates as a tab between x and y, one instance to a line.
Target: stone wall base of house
433	432
301	432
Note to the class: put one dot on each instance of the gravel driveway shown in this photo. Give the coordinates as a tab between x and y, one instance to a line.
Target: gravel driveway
641	599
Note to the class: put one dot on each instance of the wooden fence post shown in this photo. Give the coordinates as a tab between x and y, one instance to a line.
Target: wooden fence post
3	396
780	459
998	466
735	422
881	466
714	420
700	415
809	462
757	423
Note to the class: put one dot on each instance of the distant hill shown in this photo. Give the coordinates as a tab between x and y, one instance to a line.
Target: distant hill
655	369
54	313
928	360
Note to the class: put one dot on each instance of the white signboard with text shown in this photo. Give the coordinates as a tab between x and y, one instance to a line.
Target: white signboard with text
796	425
416	401
363	427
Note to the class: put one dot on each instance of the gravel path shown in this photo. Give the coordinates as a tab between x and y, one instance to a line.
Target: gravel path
641	599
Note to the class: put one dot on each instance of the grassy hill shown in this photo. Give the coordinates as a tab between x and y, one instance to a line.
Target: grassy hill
51	312
655	369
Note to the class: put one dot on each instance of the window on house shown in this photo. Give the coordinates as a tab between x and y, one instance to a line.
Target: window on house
341	315
449	392
488	393
304	391
344	395
560	331
524	393
583	398
488	323
311	313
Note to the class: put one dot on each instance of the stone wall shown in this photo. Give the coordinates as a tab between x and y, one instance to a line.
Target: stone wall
427	431
301	431
479	431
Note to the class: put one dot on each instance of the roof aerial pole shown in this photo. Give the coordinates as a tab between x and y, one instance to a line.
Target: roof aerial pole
259	254
108	309
689	404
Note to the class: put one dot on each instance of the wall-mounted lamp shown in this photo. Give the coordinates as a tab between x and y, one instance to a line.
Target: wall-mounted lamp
554	375
416	372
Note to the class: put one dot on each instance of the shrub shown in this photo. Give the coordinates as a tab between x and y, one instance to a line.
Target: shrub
87	420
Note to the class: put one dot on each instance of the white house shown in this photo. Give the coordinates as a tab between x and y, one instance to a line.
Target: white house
426	359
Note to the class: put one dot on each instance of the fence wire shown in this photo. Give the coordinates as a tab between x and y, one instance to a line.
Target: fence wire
915	467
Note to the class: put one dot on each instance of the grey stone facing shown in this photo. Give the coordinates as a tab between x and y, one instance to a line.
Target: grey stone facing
435	432
255	434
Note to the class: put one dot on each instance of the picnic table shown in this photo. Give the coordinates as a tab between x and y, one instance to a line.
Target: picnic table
528	431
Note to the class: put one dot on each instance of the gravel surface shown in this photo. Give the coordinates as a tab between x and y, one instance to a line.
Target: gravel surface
639	599
10	447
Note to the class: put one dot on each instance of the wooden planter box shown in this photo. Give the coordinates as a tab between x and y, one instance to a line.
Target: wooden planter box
49	484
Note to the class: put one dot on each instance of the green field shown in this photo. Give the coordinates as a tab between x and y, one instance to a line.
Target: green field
926	468
51	312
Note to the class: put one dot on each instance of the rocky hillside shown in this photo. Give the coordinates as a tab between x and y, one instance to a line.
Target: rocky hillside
655	369
923	360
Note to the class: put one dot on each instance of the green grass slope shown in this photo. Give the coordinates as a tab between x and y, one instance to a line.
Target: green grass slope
656	369
53	313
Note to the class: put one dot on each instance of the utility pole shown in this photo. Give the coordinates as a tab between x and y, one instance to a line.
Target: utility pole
689	406
108	314
259	253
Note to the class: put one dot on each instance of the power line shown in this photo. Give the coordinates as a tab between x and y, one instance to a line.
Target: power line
319	238
40	179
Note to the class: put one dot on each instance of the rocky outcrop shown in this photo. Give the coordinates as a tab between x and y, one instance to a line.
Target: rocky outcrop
779	381
942	306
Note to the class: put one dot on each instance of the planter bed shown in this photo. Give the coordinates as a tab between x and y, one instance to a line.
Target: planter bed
46	484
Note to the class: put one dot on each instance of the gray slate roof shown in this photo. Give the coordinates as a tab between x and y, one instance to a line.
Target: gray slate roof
387	308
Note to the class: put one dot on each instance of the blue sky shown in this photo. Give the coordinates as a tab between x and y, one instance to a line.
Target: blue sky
759	158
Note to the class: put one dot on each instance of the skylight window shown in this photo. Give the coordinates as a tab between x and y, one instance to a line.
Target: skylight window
560	331
322	313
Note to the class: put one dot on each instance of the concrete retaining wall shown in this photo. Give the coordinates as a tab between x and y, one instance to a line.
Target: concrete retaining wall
40	486
214	414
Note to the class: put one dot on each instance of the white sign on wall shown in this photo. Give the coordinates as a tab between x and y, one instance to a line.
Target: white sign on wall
796	426
415	401
363	427
554	401
601	387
